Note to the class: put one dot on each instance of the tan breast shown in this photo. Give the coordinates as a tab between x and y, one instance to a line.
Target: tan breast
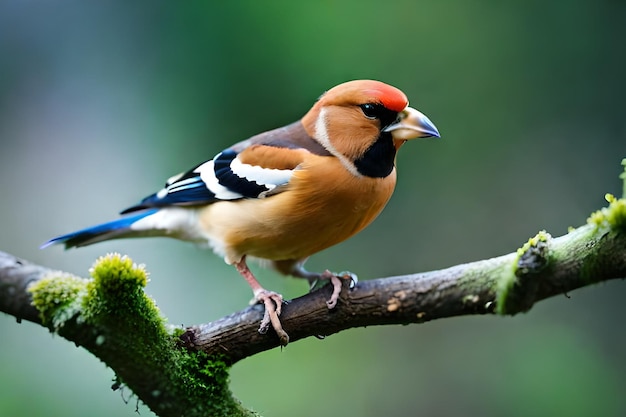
324	205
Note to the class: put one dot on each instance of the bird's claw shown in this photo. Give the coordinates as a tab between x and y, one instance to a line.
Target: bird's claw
336	281
351	276
273	306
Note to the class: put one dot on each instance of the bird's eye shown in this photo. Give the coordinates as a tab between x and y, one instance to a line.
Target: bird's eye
371	111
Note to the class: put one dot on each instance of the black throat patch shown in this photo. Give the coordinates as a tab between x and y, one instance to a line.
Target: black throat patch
378	160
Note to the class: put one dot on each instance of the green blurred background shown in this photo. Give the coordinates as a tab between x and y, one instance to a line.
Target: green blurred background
101	101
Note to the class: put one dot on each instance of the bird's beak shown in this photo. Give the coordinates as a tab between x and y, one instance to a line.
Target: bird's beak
412	124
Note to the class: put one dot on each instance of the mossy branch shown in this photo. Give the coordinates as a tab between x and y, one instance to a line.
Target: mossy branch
185	371
508	284
111	316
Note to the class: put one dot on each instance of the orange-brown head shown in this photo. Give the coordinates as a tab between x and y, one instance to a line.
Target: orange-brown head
363	123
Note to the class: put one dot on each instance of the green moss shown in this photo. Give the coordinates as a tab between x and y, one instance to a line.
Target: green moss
117	290
622	176
131	323
126	318
200	373
177	332
115	320
57	298
533	256
118	271
505	285
611	217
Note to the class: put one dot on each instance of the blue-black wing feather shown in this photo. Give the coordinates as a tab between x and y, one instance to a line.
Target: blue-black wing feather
190	188
187	189
227	178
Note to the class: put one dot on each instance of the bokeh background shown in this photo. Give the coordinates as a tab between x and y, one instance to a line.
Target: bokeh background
101	101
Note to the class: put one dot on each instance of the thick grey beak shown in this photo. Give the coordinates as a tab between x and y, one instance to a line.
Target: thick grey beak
411	125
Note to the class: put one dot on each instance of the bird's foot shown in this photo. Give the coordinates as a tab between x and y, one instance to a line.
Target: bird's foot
273	305
336	281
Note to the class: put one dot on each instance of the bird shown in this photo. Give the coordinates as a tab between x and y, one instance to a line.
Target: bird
285	194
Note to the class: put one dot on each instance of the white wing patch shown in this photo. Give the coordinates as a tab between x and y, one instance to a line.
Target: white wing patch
207	174
269	177
173	185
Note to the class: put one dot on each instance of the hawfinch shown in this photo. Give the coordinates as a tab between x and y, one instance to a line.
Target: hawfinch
285	194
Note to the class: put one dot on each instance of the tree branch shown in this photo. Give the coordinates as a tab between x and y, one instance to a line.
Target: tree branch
575	260
96	313
15	277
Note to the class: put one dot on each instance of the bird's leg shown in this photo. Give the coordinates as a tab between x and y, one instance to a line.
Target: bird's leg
335	279
272	301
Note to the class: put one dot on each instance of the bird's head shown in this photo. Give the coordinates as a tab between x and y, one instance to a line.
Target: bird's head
364	122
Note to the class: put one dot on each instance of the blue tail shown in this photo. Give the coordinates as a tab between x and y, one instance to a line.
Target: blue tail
112	230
